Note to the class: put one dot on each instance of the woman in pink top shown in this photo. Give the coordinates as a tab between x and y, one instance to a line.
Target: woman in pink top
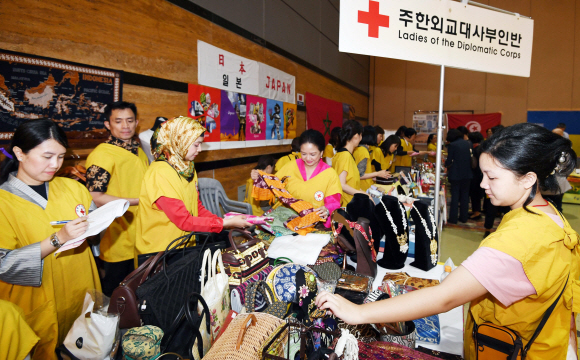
520	270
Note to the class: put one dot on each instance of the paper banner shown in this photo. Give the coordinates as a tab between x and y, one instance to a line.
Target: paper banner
276	84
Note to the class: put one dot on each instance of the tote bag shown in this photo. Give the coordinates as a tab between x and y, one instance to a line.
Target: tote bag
216	290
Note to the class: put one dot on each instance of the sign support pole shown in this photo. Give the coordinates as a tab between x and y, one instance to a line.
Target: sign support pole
438	159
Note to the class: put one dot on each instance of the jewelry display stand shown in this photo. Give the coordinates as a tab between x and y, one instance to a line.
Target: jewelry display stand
426	237
362	206
396	243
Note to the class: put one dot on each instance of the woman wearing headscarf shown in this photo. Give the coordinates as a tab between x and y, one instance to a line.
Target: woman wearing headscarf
169	205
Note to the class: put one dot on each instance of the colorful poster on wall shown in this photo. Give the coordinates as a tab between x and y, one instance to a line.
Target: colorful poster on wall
275	122
348	112
73	95
233	116
290	120
204	104
255	118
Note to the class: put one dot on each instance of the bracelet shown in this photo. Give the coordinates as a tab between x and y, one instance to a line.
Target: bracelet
54	241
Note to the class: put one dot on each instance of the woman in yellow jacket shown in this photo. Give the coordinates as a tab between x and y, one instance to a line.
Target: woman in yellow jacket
519	271
49	289
344	163
169	205
330	148
363	159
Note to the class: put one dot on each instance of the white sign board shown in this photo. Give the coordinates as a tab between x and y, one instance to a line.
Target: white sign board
440	32
276	84
223	70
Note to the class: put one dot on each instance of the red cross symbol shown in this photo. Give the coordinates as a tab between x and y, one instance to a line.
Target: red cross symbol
373	19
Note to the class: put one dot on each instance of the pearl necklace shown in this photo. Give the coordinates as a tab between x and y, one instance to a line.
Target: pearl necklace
401	239
433	242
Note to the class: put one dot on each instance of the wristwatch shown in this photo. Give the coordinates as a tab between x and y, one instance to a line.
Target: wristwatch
54	241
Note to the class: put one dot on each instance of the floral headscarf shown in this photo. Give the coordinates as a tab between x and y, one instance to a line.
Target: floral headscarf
172	140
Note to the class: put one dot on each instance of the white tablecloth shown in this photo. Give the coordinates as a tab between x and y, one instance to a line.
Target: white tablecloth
451	321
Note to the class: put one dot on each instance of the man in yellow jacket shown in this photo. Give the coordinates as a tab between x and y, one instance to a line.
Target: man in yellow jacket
115	170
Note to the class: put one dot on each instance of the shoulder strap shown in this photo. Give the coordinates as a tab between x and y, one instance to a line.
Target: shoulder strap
543	321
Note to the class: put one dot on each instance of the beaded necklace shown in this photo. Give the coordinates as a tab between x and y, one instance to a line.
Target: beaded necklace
433	242
401	239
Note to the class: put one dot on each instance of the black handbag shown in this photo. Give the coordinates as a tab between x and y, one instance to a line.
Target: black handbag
161	297
184	332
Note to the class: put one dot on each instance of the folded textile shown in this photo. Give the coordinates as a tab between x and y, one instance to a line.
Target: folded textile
266	186
402	278
302	250
252	219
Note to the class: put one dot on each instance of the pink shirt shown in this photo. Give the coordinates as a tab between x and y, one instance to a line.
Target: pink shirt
501	274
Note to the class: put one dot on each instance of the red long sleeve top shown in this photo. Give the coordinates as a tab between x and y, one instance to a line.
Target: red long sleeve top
177	213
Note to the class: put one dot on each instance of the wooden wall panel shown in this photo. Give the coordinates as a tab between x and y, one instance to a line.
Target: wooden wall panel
422	90
390	87
154	38
576	71
552	62
554	83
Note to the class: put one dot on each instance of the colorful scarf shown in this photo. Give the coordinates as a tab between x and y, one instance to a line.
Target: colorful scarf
172	140
266	186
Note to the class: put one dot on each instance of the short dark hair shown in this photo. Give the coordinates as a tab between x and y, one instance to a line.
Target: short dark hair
527	147
295	144
334	136
410	132
369	136
349	129
390	140
401	131
454	134
475	137
497	129
463	130
312	136
27	136
264	161
379	130
119	105
561	126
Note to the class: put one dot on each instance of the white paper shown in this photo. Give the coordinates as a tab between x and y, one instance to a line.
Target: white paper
99	220
302	250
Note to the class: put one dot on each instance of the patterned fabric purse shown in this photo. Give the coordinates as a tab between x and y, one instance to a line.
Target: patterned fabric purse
243	261
275	307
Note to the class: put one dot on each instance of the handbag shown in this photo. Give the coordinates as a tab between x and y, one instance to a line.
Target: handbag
245	260
124	300
190	333
494	341
216	290
246	338
93	333
238	294
275	307
161	297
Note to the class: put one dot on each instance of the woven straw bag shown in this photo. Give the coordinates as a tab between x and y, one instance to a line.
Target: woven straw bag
246	337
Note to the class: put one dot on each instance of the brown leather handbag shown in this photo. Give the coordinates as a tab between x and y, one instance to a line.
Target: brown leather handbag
124	300
243	261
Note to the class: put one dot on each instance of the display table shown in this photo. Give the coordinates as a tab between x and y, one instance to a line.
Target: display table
451	321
